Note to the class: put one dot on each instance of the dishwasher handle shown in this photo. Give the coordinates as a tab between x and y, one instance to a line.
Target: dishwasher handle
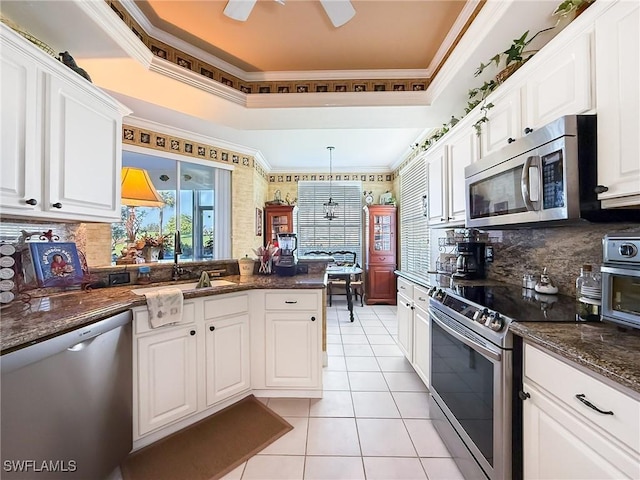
74	340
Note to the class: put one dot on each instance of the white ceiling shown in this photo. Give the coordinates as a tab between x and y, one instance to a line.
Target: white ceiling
371	131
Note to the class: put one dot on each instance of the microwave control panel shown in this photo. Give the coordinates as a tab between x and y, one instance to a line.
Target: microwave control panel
621	250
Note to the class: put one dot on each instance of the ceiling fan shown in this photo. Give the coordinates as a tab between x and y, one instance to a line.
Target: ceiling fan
338	11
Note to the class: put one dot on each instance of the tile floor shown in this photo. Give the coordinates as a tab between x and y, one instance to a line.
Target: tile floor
372	421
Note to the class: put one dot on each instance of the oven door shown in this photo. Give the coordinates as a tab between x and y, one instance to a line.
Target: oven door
621	295
471	381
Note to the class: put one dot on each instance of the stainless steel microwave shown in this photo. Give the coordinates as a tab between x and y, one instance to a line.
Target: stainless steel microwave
549	175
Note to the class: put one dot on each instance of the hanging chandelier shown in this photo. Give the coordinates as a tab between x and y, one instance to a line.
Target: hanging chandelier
330	206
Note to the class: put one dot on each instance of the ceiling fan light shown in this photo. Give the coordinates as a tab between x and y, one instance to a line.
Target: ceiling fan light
239	9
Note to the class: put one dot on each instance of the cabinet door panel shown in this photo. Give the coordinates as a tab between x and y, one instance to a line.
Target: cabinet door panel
381	284
421	345
84	158
167	381
227	358
292	349
562	86
558	445
437	183
404	315
463	150
20	142
618	97
504	123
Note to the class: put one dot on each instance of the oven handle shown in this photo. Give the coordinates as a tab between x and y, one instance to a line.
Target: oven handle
620	271
524	185
477	347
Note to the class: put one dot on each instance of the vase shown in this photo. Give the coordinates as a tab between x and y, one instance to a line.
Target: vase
150	254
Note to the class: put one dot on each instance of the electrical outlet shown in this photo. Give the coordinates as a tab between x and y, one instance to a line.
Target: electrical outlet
119	278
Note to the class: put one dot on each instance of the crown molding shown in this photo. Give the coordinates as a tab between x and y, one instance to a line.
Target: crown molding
188	77
245	76
338	99
456	30
113	26
490	15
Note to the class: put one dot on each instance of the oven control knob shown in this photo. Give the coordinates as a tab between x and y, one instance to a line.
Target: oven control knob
628	250
481	315
432	291
495	322
439	295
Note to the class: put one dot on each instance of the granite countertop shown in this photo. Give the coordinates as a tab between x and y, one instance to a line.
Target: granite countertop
24	323
601	347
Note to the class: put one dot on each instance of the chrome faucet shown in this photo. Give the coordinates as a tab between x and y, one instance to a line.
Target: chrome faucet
177	270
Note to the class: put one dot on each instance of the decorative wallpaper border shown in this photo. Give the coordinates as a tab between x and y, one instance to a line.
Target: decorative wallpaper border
182	59
168	143
321	177
141	137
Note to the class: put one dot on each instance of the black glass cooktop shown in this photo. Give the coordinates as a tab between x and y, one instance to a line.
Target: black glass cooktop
522	305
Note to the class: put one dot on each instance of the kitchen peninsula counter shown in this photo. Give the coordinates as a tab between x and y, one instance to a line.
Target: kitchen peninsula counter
600	347
25	323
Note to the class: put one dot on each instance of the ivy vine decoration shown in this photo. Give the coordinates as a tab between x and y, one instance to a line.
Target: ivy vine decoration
478	96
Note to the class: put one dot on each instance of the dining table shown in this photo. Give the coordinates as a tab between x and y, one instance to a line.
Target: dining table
344	272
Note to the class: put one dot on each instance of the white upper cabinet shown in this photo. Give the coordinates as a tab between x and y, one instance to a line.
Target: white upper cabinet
62	158
555	82
560	86
437	184
463	150
504	125
617	41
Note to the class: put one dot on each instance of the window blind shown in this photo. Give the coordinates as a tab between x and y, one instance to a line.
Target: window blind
318	233
414	225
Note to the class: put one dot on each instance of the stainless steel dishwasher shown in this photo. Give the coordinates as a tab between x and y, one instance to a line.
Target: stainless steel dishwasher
67	403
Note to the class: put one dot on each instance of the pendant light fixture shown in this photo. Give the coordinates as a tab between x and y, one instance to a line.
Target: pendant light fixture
330	206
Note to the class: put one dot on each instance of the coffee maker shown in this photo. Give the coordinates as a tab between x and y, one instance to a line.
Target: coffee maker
470	261
286	262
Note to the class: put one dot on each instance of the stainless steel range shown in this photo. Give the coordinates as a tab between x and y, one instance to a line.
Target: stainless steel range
472	372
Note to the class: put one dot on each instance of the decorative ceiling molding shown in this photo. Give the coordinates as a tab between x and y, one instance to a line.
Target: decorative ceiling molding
165	54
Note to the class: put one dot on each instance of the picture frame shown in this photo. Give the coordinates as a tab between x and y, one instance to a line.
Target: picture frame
385	198
258	222
56	263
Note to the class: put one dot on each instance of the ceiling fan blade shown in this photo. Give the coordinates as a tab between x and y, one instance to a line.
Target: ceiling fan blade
239	9
338	11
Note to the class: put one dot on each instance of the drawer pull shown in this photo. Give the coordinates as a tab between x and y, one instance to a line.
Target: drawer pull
580	396
422	299
290	301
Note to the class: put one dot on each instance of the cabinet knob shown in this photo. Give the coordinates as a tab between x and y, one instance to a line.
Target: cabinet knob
601	189
408	304
192	333
56	205
528	130
511	140
313	319
212	328
31	201
443	219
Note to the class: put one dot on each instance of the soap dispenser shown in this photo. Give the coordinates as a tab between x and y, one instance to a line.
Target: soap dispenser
545	285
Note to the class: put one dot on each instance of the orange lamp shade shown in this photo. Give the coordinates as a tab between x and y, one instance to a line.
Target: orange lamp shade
138	190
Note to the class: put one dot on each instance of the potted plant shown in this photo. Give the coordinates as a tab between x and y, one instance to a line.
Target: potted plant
567	7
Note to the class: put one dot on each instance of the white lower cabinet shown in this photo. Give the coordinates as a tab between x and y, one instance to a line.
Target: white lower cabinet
421	334
293	340
564	438
183	373
167	390
227	347
414	329
404	315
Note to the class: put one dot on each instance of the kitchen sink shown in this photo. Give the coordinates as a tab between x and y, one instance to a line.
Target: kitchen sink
181	286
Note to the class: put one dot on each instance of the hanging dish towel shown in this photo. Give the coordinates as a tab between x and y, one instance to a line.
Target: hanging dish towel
165	306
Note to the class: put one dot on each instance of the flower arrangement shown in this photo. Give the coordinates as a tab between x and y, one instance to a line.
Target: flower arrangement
158	241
